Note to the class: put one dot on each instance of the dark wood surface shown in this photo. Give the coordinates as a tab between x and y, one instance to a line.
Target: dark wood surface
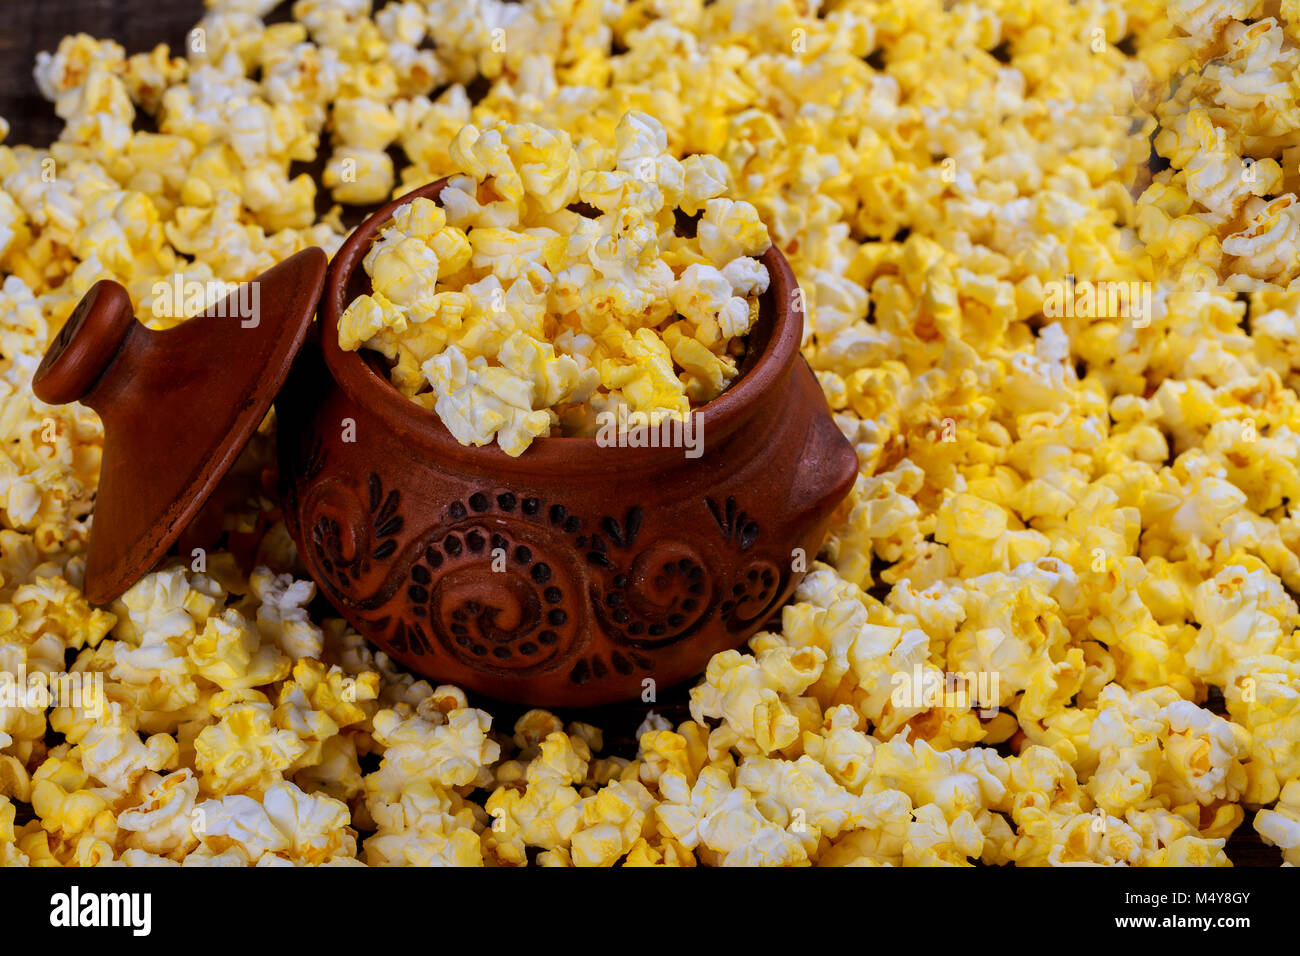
28	26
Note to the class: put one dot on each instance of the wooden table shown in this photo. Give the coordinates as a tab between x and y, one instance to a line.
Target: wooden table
28	26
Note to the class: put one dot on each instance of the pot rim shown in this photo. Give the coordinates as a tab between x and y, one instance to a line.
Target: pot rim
712	421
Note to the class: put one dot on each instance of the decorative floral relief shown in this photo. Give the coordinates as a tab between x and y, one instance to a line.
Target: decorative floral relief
497	584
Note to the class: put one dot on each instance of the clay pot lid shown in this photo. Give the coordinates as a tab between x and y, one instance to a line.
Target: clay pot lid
178	406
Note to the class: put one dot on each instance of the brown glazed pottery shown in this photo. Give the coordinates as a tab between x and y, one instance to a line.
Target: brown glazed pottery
572	575
177	406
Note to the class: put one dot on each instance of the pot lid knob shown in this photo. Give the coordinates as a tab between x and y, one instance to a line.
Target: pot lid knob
86	346
178	406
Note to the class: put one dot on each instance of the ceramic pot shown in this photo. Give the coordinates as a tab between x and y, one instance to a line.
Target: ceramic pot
576	572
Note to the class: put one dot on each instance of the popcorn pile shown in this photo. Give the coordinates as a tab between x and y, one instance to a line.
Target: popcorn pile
514	316
1227	200
1098	511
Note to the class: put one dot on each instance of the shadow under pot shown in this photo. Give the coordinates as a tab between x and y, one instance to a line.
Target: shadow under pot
574	573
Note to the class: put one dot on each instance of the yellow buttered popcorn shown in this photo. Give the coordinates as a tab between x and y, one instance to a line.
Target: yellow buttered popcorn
163	824
504	304
285	825
244	751
1053	624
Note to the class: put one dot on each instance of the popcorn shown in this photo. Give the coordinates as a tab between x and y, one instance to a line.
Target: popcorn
729	230
1280	826
162	824
613	820
281	617
1243	615
114	755
1179	750
724	822
504	357
286	824
68	807
229	655
704	178
663	749
10	855
1096	509
753	695
364	123
244	751
427	825
358	175
448	750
